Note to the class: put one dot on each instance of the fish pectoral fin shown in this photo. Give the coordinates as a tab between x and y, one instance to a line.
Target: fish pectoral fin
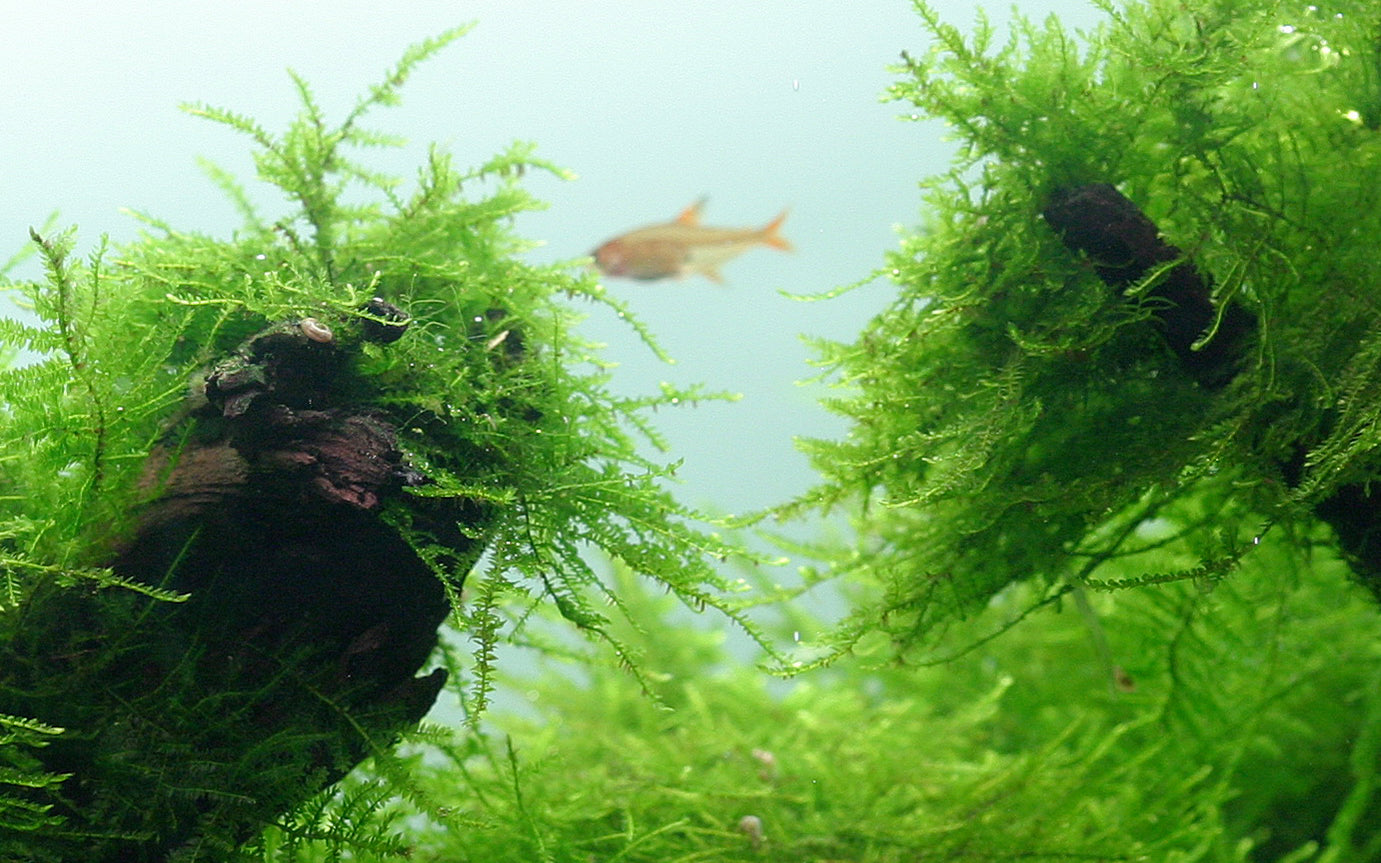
712	273
691	214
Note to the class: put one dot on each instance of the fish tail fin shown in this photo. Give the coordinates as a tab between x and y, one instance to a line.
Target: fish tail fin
771	233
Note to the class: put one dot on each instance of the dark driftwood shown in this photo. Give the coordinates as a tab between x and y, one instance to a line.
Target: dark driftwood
190	725
1124	245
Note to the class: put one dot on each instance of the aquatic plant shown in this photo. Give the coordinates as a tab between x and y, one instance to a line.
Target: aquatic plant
244	480
1113	582
1147	280
1232	736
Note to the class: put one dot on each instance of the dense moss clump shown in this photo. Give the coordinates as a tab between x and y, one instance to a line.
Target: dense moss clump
242	482
1041	389
1233	735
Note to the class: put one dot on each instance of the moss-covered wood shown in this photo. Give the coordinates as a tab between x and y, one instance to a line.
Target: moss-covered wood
243	481
1124	246
1013	419
1099	222
302	621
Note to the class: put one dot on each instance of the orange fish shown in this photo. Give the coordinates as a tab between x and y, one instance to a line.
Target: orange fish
683	246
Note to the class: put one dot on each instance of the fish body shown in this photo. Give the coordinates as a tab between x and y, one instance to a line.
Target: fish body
683	246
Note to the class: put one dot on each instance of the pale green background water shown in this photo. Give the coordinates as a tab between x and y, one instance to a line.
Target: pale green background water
758	104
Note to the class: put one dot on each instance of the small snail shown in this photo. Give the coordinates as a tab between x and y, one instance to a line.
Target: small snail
316	331
751	826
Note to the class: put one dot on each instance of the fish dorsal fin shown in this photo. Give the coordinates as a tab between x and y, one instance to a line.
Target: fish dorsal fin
691	214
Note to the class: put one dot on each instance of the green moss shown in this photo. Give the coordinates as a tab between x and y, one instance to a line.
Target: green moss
1233	734
1013	419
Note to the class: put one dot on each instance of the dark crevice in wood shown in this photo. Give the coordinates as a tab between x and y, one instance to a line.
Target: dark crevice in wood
1124	245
